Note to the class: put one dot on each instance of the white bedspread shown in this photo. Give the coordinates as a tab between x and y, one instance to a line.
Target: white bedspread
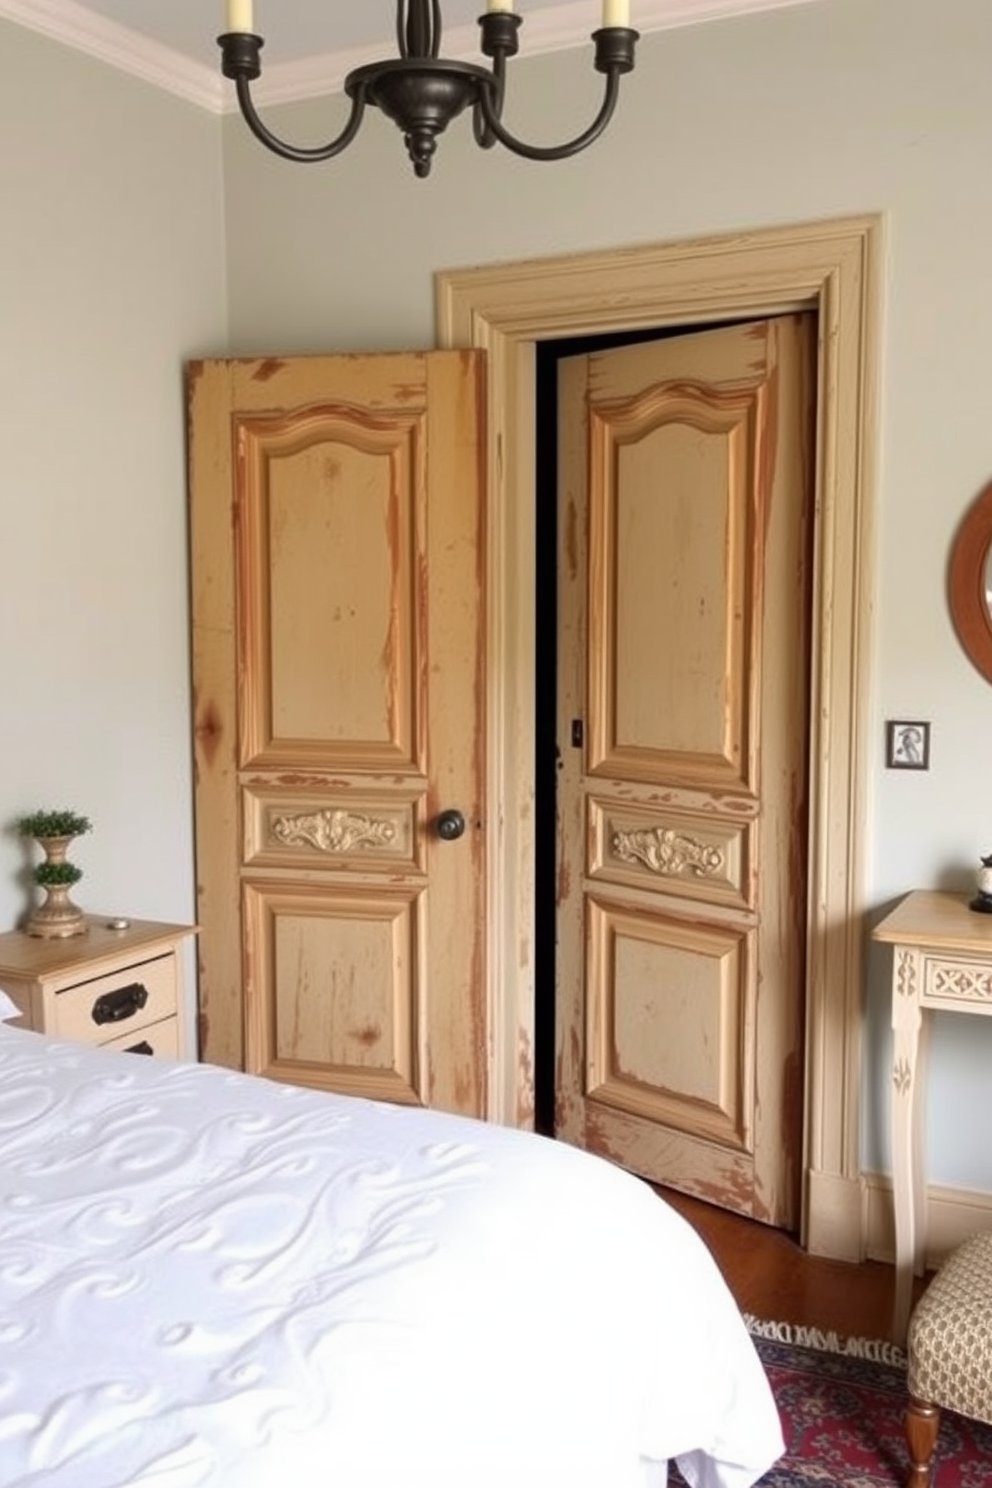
212	1281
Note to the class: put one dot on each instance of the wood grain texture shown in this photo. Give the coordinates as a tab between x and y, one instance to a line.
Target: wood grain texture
339	619
771	1276
684	551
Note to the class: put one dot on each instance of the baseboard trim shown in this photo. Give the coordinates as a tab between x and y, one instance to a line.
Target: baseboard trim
952	1215
834	1216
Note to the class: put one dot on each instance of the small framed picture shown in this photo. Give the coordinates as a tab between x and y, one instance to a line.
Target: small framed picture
907	744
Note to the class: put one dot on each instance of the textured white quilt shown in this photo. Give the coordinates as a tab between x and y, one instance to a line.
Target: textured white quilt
211	1281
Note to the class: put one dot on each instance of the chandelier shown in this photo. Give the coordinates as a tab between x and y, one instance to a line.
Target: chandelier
422	92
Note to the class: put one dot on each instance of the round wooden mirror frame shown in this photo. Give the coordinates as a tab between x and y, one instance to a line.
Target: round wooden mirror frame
966	582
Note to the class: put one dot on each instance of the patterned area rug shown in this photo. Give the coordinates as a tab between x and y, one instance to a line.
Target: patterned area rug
842	1404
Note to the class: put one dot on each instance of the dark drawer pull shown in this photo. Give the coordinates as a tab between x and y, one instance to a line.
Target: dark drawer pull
124	1002
143	1048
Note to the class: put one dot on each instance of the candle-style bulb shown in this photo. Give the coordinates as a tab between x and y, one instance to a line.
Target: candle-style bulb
239	16
616	13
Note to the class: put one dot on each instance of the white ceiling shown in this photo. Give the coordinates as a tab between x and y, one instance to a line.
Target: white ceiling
311	44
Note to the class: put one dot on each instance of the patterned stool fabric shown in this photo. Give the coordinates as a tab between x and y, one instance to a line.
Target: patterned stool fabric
950	1352
950	1334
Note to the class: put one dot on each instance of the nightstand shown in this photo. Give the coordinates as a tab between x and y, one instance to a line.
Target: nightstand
120	989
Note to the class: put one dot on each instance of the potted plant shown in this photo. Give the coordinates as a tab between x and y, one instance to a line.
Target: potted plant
53	831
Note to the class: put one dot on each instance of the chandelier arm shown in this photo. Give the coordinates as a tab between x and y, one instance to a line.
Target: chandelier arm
495	94
494	126
296	152
422	92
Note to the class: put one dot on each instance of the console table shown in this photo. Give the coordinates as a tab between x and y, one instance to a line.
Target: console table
941	959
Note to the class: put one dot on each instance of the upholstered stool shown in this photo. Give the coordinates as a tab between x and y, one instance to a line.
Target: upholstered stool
950	1351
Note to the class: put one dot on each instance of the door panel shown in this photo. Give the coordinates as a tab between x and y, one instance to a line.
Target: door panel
684	516
638	731
330	643
335	998
699	858
686	976
337	519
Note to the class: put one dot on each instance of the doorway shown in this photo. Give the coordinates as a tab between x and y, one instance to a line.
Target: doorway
834	269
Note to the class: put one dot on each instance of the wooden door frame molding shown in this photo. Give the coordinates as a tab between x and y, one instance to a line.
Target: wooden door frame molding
830	267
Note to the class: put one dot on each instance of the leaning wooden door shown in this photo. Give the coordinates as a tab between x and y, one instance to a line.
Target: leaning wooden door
684	509
338	658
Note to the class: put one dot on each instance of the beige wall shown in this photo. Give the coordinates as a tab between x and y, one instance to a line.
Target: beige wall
843	106
111	262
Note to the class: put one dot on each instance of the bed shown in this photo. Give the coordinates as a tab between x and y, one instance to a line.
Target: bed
209	1280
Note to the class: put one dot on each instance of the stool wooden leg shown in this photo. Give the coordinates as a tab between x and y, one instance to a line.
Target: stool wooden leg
922	1426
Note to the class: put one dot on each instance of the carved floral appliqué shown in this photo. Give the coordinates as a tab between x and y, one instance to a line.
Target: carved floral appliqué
906	974
902	1076
334	831
666	851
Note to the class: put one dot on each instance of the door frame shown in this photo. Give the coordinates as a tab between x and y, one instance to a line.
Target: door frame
833	268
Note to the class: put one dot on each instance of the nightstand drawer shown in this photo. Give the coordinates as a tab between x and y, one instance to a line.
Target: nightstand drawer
111	1007
160	1038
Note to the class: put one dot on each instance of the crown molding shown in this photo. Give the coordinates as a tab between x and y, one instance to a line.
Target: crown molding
81	28
550	29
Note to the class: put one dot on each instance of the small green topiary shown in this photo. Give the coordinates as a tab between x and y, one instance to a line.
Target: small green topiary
53	824
48	874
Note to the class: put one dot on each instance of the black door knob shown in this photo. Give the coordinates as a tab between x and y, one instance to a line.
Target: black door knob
450	825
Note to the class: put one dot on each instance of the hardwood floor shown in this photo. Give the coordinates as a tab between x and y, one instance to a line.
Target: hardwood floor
771	1276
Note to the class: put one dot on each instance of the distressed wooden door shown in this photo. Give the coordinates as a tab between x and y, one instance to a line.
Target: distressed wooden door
338	657
684	511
